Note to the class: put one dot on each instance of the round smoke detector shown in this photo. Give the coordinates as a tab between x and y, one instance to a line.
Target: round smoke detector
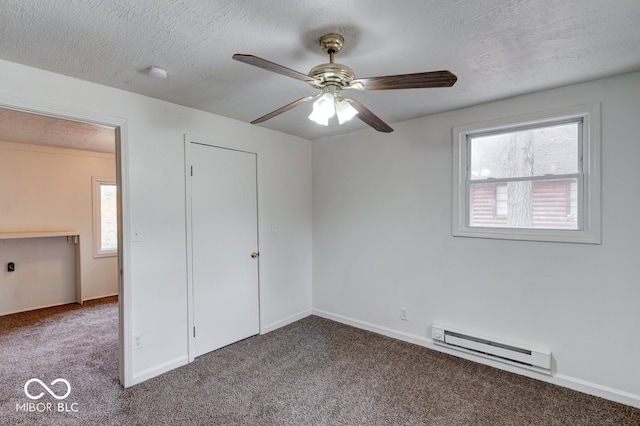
156	72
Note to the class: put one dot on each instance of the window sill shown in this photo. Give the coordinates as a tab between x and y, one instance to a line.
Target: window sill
105	254
543	235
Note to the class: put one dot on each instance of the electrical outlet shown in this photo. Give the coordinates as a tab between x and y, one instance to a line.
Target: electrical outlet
137	341
404	314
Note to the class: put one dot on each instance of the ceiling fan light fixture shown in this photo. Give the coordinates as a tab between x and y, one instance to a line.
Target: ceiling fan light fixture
323	109
344	110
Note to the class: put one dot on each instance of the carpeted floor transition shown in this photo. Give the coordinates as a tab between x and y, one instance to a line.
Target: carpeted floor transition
312	372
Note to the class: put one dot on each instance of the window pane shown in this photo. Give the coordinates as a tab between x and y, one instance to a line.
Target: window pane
542	204
551	150
502	199
108	217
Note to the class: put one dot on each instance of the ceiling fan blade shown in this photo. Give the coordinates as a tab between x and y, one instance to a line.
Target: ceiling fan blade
283	109
419	80
368	117
273	67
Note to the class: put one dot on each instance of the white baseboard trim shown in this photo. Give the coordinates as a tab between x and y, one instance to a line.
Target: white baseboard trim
407	337
56	304
595	389
285	321
99	297
579	385
159	369
35	308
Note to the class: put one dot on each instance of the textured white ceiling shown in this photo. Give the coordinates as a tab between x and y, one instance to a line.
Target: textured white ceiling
24	127
497	48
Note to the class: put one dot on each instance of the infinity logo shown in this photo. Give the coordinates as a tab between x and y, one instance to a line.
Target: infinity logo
26	390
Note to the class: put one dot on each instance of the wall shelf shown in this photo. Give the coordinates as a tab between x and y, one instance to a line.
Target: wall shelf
37	234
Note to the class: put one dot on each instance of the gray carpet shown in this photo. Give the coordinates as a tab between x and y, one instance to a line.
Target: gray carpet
312	372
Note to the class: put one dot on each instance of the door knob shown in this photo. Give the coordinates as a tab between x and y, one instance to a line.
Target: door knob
255	254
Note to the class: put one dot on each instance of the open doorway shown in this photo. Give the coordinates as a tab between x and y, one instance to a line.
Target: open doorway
55	131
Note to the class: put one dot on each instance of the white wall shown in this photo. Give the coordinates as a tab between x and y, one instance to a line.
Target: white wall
44	275
382	240
50	189
156	187
381	231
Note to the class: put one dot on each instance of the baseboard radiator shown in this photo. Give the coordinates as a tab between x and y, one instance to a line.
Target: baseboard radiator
525	356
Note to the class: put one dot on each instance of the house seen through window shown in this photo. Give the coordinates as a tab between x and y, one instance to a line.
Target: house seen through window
535	177
526	178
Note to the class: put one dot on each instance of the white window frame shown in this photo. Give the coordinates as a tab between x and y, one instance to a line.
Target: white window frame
589	196
97	182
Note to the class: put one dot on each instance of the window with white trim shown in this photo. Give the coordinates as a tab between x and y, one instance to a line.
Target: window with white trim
530	178
105	217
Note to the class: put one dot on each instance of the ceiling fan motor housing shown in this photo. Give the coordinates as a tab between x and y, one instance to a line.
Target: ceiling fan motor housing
336	74
331	74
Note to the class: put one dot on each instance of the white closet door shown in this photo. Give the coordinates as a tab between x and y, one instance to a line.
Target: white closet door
224	235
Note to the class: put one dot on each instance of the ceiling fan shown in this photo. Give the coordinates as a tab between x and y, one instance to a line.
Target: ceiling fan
332	78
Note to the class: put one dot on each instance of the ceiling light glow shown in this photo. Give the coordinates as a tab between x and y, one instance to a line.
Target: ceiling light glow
323	109
344	110
330	104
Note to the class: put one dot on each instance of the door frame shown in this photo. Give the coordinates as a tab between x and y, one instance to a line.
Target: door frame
188	141
125	361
